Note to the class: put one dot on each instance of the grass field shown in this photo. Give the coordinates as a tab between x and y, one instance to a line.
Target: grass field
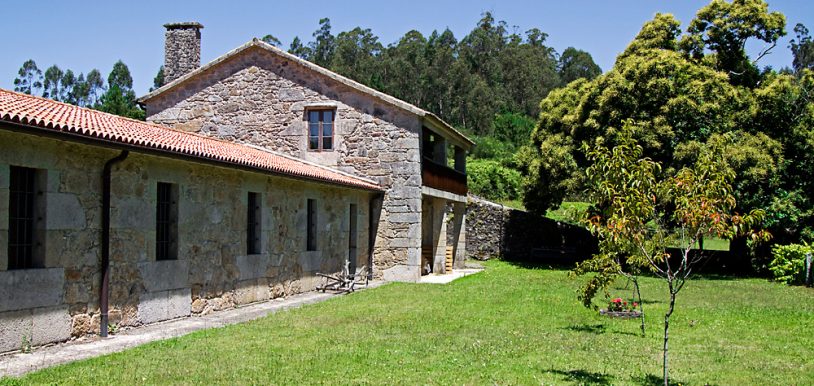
506	325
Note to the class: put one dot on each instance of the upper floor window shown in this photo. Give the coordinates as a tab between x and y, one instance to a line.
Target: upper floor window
321	130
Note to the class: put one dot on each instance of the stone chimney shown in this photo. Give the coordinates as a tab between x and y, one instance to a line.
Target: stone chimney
182	49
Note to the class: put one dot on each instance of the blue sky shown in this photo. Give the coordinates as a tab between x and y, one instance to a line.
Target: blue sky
83	35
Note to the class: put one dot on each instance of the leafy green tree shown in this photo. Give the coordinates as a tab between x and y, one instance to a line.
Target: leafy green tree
271	39
355	55
298	49
640	214
672	98
120	77
491	148
528	72
657	34
324	44
96	85
441	73
683	96
785	112
513	128
68	94
29	78
120	99
159	79
803	49
405	68
577	64
80	91
724	28
491	180
52	84
553	163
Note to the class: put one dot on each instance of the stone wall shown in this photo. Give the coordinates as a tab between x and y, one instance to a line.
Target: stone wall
212	272
494	230
261	98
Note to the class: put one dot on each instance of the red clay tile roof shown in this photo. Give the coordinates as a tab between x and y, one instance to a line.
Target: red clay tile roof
108	128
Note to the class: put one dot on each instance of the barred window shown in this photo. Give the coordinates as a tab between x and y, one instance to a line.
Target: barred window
166	224
26	208
311	243
253	228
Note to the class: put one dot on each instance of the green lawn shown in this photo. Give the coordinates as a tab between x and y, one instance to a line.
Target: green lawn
507	325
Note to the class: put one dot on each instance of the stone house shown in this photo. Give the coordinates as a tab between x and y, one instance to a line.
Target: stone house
254	172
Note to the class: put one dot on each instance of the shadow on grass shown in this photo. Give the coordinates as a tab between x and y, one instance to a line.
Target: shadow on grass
720	276
540	264
636	334
655	380
591	328
584	377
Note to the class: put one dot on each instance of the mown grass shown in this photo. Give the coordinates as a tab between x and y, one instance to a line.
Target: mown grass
506	325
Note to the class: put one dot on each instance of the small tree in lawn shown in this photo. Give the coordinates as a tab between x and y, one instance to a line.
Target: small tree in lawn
623	190
641	214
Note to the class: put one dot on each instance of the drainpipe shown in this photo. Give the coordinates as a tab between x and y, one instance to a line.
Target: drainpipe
104	290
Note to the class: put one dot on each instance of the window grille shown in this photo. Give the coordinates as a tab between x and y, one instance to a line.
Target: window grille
166	222
22	236
253	228
312	225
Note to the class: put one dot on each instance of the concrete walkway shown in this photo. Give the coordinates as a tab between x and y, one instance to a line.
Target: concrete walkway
446	278
16	364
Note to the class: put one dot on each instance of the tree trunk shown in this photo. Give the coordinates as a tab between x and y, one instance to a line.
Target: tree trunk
667	333
641	303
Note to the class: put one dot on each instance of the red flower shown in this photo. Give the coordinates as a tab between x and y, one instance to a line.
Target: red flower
617	300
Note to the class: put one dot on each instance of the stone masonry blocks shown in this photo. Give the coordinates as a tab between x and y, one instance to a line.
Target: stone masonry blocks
31	288
259	98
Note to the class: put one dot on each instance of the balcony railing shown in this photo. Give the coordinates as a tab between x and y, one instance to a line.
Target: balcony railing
442	177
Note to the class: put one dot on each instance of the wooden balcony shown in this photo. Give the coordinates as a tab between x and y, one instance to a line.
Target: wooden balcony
442	177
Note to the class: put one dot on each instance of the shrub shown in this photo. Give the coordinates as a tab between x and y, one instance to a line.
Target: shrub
491	180
788	262
492	148
513	128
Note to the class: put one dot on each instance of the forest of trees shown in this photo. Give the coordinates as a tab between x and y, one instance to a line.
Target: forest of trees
116	96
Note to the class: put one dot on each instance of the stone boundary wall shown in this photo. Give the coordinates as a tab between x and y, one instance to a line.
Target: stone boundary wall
494	230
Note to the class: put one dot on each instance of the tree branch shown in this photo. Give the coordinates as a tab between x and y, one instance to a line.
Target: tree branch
764	53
